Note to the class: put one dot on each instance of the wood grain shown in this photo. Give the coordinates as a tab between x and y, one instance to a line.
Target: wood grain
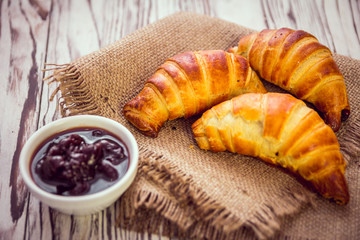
23	48
34	32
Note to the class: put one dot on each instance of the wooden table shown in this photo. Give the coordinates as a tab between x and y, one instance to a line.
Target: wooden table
59	31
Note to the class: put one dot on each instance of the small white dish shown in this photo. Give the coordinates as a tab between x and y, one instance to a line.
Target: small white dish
83	204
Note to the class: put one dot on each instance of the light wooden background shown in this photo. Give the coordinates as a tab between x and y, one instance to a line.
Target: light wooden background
58	31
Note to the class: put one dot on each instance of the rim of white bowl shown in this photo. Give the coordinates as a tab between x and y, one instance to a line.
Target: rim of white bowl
28	150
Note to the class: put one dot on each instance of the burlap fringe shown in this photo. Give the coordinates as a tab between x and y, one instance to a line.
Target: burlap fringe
205	218
268	220
350	140
180	186
75	94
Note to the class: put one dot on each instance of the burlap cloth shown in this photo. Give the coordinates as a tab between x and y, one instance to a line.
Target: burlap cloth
183	191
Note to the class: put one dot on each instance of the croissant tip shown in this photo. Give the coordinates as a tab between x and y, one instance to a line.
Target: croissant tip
334	186
143	126
334	119
150	134
335	126
342	199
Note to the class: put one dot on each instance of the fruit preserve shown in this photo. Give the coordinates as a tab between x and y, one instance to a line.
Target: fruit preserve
79	161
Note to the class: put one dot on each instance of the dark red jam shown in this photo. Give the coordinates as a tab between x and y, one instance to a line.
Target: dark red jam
79	161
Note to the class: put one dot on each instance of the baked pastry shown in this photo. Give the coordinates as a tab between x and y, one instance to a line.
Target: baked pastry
188	84
298	63
279	129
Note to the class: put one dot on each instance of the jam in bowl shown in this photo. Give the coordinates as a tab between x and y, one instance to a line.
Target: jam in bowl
79	161
80	164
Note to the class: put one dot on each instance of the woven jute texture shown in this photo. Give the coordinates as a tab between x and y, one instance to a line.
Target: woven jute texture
184	191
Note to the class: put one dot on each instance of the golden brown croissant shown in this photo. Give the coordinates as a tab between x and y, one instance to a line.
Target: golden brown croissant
298	63
188	84
281	130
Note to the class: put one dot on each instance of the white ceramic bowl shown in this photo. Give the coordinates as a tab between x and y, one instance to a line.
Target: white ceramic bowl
84	204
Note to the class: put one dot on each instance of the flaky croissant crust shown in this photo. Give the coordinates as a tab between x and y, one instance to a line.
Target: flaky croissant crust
281	130
188	84
297	62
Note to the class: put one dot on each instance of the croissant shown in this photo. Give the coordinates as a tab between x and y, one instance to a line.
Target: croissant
298	63
188	84
279	129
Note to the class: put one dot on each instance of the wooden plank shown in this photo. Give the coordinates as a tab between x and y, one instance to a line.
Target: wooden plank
23	46
343	22
247	13
335	23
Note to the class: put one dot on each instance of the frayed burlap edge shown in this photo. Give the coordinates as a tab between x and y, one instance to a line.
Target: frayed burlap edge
75	96
192	211
349	140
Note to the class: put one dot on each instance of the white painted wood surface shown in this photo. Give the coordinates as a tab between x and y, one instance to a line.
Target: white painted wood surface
33	32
